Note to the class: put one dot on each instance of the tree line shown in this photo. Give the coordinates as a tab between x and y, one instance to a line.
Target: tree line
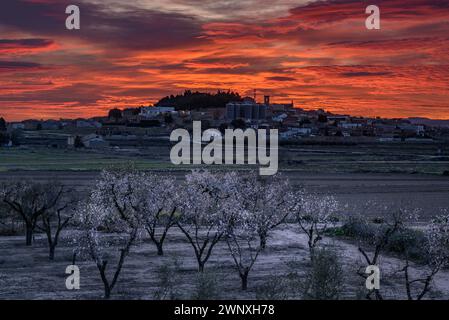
190	100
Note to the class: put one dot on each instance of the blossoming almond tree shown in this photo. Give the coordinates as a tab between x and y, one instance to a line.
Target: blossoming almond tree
109	208
255	207
437	247
243	242
204	220
314	214
269	200
118	190
158	206
394	221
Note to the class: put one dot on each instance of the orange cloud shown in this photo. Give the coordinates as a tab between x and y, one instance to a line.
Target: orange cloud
319	55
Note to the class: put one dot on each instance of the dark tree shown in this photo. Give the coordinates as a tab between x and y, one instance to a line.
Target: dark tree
199	100
30	201
54	220
223	127
2	124
115	114
78	142
239	124
322	118
339	133
4	138
168	118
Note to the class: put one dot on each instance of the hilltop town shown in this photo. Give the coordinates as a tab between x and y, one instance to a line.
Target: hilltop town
133	126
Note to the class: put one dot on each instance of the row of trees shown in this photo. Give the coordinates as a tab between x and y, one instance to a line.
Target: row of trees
126	205
207	208
195	100
241	210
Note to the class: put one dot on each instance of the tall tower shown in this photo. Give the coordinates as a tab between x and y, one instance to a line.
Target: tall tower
266	100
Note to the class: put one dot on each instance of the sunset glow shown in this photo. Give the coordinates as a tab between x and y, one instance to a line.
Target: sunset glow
317	53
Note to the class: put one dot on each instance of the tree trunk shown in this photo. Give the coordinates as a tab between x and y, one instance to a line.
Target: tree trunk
51	254
160	250
107	287
311	251
29	235
200	266
244	278
263	241
107	291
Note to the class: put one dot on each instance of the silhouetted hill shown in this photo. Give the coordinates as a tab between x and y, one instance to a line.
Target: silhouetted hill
195	100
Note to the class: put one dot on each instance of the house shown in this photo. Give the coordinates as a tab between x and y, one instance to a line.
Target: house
295	132
94	141
151	112
279	117
349	125
16	126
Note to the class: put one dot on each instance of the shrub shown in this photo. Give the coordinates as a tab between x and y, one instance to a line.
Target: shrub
276	288
168	282
206	287
324	280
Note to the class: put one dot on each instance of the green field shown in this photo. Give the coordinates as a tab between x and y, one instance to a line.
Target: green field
375	158
58	159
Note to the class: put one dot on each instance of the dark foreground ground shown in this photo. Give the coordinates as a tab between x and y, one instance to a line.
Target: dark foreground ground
26	273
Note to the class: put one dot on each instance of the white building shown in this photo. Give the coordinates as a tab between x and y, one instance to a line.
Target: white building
294	132
151	112
349	125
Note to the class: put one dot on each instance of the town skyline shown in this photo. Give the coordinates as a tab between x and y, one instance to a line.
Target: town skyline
107	113
317	54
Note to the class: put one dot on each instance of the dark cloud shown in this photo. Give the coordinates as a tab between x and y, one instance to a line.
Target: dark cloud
126	29
322	12
25	43
18	65
365	74
80	94
280	79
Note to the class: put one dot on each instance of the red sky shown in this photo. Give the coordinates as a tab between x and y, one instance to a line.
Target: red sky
317	53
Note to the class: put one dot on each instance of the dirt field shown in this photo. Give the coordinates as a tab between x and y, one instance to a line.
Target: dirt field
26	273
427	192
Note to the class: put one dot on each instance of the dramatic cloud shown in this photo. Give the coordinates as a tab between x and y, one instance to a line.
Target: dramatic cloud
317	53
24	46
